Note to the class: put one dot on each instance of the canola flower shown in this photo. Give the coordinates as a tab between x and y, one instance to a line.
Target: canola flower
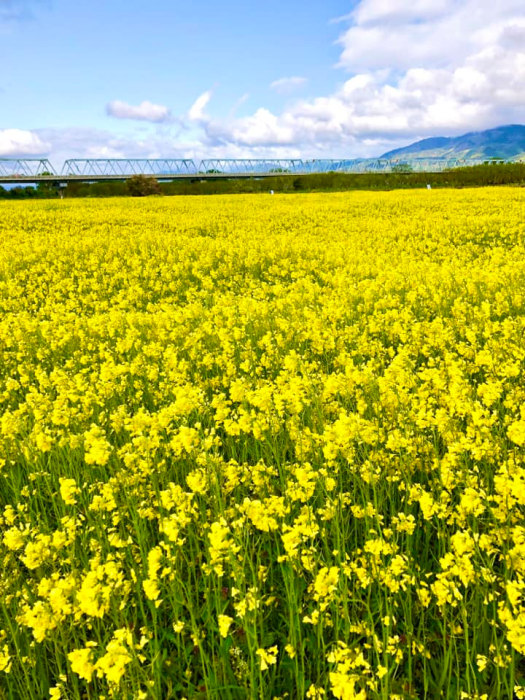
263	449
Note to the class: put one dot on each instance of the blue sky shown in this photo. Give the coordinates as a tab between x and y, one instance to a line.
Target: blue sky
332	78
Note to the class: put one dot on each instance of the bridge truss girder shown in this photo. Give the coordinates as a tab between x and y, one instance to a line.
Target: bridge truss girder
128	166
251	165
433	164
386	165
25	167
331	165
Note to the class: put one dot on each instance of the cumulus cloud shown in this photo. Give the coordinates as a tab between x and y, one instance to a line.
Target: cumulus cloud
18	142
287	85
196	112
415	68
78	142
100	143
399	35
420	68
145	111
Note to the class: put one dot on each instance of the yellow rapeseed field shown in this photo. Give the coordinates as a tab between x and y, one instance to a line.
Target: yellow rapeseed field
263	447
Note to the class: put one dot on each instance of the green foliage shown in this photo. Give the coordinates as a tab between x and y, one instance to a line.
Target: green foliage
501	143
263	447
18	193
489	174
48	189
402	168
142	186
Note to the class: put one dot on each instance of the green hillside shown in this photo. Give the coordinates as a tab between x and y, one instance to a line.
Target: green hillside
503	142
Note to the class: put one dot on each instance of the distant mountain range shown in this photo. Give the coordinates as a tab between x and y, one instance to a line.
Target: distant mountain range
502	142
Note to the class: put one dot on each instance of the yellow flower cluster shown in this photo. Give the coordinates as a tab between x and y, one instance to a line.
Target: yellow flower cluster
263	447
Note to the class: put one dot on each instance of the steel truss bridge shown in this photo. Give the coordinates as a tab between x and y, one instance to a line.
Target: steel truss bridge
24	170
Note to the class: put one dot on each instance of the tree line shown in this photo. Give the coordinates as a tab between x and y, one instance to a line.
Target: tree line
140	185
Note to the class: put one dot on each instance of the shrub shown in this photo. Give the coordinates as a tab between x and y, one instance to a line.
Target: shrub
142	186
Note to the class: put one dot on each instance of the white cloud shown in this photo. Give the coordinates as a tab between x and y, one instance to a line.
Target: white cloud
404	34
196	112
399	11
237	104
421	68
287	85
145	111
18	142
416	68
98	143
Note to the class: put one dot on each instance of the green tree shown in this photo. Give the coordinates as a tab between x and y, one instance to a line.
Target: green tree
402	168
47	189
142	186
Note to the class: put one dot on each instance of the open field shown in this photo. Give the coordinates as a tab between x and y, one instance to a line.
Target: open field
263	447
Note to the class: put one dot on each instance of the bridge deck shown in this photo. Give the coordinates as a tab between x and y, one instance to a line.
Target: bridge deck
30	179
19	171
